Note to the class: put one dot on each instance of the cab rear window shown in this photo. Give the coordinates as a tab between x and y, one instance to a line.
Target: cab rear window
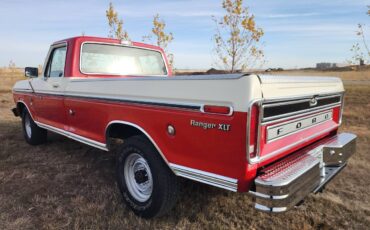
121	60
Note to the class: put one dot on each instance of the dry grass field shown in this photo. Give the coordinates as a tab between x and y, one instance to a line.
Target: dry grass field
67	185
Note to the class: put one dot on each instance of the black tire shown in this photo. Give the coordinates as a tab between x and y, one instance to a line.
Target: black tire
35	135
165	185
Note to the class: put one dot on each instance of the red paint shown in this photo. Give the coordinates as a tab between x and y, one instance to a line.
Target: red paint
268	148
192	146
50	110
211	150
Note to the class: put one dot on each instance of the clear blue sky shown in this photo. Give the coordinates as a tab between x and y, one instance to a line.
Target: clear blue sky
297	33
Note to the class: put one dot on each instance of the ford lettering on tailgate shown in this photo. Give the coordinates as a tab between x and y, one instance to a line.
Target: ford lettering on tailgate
280	130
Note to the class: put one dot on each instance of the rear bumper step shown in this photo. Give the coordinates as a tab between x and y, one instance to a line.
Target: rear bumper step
285	183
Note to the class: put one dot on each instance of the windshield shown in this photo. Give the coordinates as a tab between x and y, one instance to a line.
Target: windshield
121	60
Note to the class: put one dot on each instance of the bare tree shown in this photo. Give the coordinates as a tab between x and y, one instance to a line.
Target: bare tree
159	37
12	66
360	50
115	24
237	37
361	34
357	54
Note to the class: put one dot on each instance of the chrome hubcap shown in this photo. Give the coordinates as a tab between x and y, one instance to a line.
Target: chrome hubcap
138	177
27	125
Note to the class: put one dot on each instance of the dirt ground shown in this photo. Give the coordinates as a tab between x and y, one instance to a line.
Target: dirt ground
67	185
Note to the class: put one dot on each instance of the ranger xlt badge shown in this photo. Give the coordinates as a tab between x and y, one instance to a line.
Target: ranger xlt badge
205	125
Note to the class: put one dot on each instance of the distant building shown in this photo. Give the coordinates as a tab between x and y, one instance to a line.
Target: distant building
326	65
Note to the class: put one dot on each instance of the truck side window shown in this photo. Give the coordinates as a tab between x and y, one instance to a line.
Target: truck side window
56	63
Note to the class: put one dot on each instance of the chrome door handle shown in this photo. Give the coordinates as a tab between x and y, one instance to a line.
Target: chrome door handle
71	112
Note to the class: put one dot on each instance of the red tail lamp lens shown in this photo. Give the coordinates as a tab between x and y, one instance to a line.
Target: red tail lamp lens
216	109
253	131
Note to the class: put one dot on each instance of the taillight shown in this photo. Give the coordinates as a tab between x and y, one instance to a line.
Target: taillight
217	109
252	131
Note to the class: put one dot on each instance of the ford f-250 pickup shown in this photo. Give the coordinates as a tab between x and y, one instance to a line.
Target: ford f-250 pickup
274	137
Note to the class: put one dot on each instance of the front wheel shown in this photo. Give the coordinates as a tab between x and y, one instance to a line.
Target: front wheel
148	186
33	134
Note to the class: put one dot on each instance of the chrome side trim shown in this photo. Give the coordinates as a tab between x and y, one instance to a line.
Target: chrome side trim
73	136
143	131
206	177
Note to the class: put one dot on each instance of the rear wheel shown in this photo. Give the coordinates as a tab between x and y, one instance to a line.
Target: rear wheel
148	186
33	134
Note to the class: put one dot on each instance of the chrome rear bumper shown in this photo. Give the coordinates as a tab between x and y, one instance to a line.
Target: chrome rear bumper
285	183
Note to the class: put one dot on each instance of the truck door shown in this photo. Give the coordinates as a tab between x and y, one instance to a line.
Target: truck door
49	89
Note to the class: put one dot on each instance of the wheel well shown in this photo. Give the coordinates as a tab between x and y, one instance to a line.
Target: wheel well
20	108
122	130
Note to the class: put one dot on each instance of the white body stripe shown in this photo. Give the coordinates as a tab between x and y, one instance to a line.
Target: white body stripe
236	91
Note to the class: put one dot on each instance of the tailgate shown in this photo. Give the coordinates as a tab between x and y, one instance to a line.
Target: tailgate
295	112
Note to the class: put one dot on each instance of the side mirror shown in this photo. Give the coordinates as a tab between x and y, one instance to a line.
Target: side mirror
31	72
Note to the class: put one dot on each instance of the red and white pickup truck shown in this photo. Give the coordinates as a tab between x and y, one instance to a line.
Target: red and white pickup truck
274	137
